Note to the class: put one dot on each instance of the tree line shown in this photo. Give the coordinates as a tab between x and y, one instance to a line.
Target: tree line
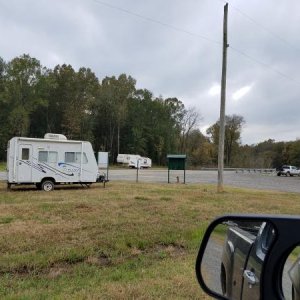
117	117
112	113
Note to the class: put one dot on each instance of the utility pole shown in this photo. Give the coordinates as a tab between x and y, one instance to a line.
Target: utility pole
222	107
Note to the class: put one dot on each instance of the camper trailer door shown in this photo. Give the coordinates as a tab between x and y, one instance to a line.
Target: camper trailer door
24	163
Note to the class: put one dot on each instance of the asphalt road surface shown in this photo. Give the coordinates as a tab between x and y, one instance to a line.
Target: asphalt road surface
211	264
231	178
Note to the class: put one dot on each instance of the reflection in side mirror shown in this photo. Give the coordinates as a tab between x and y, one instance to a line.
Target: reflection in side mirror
234	255
291	276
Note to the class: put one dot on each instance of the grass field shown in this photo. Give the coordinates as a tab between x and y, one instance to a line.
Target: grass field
2	166
127	241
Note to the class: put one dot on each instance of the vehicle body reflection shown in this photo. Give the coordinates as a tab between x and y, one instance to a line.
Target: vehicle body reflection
251	257
291	276
241	255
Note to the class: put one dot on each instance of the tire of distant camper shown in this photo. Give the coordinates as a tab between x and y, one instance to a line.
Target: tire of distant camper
278	174
47	185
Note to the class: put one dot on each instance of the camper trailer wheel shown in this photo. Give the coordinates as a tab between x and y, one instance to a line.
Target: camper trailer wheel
47	185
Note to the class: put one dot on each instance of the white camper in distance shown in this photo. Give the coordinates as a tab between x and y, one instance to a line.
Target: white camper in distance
134	161
125	158
49	161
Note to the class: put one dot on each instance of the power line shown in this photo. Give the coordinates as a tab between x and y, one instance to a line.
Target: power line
178	29
175	28
275	35
264	65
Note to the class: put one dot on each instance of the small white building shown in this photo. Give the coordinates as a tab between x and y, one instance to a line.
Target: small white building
50	160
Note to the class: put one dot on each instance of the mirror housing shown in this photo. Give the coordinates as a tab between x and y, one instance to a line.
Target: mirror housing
286	238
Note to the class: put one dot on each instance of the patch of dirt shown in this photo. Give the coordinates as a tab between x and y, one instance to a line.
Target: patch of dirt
57	271
23	270
84	207
100	260
135	251
172	250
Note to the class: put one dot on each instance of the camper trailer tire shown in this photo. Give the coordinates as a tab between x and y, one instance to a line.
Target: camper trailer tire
47	185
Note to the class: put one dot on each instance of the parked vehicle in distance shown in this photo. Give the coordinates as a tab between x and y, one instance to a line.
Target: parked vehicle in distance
251	257
288	171
134	161
50	160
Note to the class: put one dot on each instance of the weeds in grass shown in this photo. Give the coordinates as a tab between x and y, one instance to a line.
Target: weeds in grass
6	220
2	166
122	242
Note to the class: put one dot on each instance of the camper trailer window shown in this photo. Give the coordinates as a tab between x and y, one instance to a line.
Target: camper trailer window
50	157
75	157
25	153
43	156
70	157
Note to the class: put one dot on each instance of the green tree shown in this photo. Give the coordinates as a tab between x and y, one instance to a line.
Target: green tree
21	93
153	120
110	111
233	129
70	101
4	111
294	153
199	149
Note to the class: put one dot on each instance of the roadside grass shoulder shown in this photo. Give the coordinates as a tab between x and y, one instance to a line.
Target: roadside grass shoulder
122	242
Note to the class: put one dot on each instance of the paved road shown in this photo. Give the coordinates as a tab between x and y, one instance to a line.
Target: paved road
231	178
211	264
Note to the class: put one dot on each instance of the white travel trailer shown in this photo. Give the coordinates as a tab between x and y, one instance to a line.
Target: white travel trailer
140	162
134	161
50	160
147	162
125	158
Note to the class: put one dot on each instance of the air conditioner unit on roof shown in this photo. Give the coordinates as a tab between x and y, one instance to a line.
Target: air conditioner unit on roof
55	136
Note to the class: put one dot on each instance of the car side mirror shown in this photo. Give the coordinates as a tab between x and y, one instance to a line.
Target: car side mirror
250	257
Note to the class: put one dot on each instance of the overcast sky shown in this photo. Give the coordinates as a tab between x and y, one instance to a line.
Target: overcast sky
174	49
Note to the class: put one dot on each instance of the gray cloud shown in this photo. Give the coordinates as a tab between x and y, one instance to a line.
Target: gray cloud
170	62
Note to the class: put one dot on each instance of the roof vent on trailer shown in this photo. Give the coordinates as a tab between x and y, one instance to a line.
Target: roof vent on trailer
55	136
